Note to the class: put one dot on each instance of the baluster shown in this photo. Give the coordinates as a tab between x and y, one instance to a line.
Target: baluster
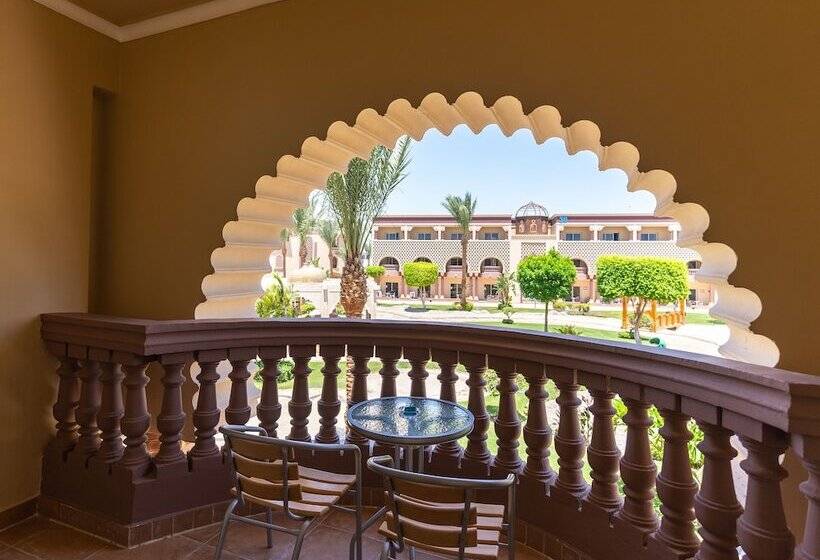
537	432
87	409
418	358
329	404
762	529
136	420
206	413
638	470
300	405
808	449
171	418
111	411
389	356
569	441
269	409
238	411
603	453
447	361
507	423
716	505
676	487
360	356
68	397
476	449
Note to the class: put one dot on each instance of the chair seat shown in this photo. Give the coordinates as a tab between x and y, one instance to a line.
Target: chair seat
486	549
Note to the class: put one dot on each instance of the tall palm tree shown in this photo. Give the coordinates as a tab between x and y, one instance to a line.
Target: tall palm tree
354	200
304	222
329	232
284	237
462	210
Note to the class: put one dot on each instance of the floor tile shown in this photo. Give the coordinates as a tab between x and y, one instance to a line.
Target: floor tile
347	522
176	547
24	530
58	542
9	553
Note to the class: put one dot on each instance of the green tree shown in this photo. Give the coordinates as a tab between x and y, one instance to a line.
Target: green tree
462	210
545	278
354	200
506	289
304	222
641	280
329	232
375	271
420	275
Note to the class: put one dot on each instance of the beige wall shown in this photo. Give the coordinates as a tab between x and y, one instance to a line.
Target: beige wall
717	93
48	68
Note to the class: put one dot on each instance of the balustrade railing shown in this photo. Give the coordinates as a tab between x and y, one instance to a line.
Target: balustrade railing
605	496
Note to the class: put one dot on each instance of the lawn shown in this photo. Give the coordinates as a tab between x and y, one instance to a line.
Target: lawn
585	331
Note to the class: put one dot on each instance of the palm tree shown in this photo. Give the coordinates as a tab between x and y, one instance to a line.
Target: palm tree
462	210
284	237
304	221
329	232
354	200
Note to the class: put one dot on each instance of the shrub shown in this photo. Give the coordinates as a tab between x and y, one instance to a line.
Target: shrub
284	368
508	312
375	271
420	275
282	301
569	329
559	305
468	306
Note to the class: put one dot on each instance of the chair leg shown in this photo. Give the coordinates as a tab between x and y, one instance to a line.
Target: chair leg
411	553
224	529
297	546
386	551
269	519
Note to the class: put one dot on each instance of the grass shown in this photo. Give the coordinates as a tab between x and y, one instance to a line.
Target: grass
692	318
585	331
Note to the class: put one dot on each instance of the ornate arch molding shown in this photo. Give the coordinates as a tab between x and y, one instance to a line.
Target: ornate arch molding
242	263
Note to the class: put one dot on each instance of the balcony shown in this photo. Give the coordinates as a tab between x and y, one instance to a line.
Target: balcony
99	474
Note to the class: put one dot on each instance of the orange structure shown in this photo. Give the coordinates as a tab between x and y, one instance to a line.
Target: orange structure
665	320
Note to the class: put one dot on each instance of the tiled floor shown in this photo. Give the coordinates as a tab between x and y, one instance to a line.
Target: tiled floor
43	539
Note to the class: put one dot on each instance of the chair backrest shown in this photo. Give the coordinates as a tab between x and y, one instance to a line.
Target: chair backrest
265	467
432	510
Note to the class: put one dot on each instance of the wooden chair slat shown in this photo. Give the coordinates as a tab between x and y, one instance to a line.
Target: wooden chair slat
324	476
478	552
270	471
428	492
269	490
316	487
432	535
319	499
489	523
259	451
299	508
431	512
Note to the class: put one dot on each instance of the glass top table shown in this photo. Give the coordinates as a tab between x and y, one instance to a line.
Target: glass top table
410	422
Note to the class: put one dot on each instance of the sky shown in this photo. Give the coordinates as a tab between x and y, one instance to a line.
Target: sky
505	173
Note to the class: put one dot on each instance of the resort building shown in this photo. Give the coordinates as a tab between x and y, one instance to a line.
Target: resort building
499	241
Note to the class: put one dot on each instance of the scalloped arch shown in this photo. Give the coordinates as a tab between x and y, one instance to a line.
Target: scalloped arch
243	263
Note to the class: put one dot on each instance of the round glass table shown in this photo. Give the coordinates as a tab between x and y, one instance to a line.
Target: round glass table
410	423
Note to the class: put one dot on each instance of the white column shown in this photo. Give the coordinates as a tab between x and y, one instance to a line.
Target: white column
674	228
439	230
474	230
558	228
406	230
595	228
634	228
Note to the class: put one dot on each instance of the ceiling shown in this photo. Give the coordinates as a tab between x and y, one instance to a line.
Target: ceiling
125	12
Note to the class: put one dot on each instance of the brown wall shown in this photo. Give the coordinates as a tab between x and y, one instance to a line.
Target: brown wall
48	68
720	94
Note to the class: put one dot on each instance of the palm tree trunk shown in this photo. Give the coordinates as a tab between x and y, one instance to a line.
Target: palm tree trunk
353	288
303	252
463	271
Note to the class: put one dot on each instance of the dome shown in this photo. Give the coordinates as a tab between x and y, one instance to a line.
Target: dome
531	209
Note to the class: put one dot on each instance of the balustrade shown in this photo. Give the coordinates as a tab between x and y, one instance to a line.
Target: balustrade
607	464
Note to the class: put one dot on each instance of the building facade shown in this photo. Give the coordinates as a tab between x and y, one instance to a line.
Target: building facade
498	242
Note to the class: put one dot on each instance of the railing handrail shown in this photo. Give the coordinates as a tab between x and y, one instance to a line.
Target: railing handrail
780	398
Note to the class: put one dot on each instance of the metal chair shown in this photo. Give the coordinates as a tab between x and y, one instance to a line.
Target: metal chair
439	514
267	474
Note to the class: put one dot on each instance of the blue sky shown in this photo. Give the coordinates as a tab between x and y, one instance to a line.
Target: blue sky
505	173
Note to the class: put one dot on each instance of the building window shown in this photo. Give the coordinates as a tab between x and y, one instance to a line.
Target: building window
424	236
693	295
391	289
575	295
611	236
693	265
649	237
490	291
456	236
572	237
392	236
455	291
491	236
